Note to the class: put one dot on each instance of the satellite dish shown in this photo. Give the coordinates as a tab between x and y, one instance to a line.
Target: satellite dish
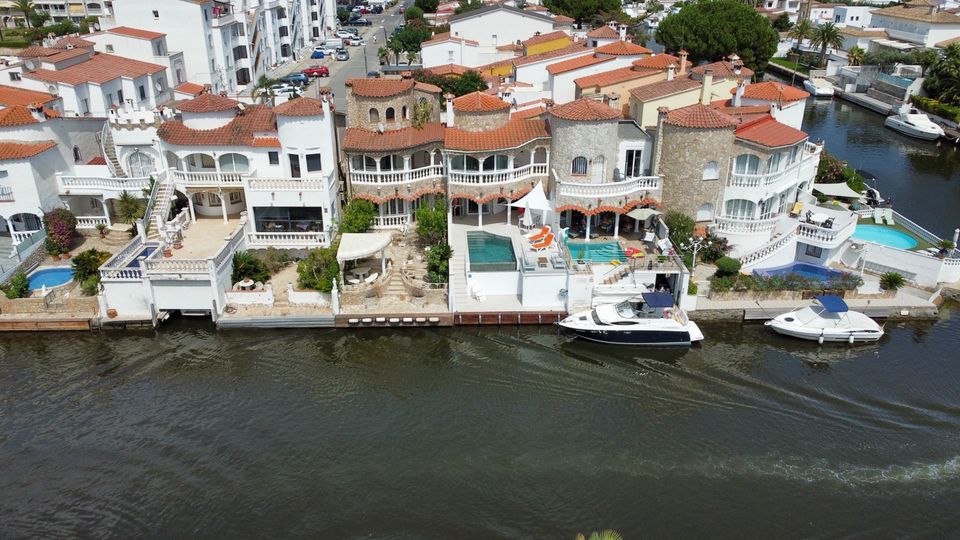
31	64
380	127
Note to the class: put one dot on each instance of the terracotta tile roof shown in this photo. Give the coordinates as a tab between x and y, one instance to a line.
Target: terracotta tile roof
36	51
193	89
445	36
615	76
479	102
768	132
379	87
427	87
543	38
206	103
357	139
604	32
700	116
16	116
135	32
10	150
573	48
744	113
304	106
662	89
918	11
72	41
243	130
448	69
772	91
510	47
515	133
66	55
265	142
585	110
563	19
532	112
861	32
724	70
622	48
97	160
575	63
10	96
658	61
99	69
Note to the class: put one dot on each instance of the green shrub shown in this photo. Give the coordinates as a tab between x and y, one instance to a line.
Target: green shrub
438	263
320	269
432	222
692	288
275	259
681	227
892	281
129	208
721	283
932	106
61	225
91	285
945	244
86	264
831	170
716	247
358	216
247	266
18	287
727	266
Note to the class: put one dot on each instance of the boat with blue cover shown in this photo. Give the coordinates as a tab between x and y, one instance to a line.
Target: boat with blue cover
828	318
649	319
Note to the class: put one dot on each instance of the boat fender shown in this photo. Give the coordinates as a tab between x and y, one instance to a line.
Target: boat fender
850	339
820	339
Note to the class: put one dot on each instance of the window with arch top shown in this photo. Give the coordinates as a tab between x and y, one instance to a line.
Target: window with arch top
579	166
711	171
390	114
374	114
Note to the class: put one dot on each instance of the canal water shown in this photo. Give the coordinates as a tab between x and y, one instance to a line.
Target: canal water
496	433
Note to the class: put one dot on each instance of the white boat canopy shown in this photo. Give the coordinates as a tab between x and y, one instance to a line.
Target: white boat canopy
355	246
837	190
535	200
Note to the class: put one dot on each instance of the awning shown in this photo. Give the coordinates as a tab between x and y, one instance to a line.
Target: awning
833	304
643	213
837	190
658	299
535	200
355	246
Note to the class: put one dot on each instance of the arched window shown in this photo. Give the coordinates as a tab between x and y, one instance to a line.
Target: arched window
390	115
465	163
391	163
773	162
405	113
77	156
374	115
705	212
363	163
711	171
234	163
579	165
740	209
199	200
495	163
140	164
747	164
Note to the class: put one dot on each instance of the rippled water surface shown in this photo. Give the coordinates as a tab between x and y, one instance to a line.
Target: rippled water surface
476	433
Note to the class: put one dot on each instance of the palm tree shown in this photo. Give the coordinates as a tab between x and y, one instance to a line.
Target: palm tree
824	36
606	534
26	7
411	57
801	31
384	55
263	89
855	55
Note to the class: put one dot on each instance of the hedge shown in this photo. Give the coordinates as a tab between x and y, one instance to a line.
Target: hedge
933	106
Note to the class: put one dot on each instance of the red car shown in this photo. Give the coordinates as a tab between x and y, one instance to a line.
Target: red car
317	71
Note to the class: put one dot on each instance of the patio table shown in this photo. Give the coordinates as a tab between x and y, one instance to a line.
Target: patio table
246	284
361	271
818	218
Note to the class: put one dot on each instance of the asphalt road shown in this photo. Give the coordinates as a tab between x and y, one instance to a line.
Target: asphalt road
362	59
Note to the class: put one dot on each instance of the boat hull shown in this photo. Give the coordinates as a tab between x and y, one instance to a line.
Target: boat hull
820	335
653	338
894	124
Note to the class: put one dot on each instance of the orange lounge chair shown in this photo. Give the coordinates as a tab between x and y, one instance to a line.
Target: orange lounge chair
544	244
535	237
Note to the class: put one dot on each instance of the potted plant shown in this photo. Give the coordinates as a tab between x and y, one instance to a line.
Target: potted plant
102	229
945	247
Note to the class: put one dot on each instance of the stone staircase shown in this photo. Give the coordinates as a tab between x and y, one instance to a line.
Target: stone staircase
161	209
458	278
7	258
110	153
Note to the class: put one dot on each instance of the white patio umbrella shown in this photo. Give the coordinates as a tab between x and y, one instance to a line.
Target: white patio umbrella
527	216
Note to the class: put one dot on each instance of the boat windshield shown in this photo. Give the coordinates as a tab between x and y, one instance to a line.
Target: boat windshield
635	310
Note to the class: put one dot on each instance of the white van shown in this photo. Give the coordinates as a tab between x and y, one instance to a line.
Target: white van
333	43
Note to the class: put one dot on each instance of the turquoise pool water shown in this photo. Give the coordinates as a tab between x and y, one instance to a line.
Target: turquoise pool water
598	252
51	277
802	269
885	235
490	253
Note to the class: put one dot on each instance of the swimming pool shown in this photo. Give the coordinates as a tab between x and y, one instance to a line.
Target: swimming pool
802	269
145	252
598	252
887	236
490	253
50	277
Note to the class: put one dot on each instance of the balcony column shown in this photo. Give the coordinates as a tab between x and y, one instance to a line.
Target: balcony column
616	225
106	211
480	215
193	213
587	235
508	210
223	205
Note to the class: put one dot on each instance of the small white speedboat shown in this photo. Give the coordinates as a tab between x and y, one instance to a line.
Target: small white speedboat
827	319
650	319
913	123
818	87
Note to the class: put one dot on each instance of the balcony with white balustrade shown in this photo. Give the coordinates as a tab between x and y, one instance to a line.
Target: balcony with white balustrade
642	189
204	179
803	170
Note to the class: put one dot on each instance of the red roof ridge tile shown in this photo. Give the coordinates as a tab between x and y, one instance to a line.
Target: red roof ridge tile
585	110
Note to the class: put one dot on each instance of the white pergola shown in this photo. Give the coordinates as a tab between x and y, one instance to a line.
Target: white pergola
355	246
841	190
536	199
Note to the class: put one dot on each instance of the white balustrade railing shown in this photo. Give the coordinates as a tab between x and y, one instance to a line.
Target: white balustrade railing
21	236
770	178
115	267
497	177
120	273
208	178
286	238
6	194
391	222
90	222
810	231
767	250
623	188
130	185
227	250
289	183
160	265
747	226
396	177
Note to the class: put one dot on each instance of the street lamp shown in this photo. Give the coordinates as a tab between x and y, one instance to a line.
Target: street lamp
695	244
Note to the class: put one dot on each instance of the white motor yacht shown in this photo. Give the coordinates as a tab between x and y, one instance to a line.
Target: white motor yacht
827	319
649	319
818	87
913	123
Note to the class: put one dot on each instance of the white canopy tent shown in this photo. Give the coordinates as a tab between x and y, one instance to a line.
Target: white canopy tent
355	246
643	213
837	190
535	200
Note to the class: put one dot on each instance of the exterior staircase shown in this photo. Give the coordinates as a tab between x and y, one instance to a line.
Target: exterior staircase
110	153
160	208
7	257
458	278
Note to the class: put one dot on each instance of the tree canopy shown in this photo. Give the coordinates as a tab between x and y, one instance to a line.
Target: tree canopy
582	10
943	80
712	29
469	5
428	6
458	85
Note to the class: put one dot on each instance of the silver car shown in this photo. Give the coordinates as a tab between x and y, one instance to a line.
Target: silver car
342	55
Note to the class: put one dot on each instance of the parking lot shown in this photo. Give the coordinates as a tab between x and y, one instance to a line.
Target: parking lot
363	59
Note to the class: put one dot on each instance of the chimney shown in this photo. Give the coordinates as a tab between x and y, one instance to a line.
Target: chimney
325	103
738	95
450	117
705	89
623	32
36	110
683	61
658	140
613	100
671	70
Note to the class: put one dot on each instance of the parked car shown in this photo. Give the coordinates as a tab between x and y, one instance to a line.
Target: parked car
360	22
399	28
403	9
356	42
325	49
282	89
373	74
316	55
297	79
342	55
345	34
377	10
317	71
